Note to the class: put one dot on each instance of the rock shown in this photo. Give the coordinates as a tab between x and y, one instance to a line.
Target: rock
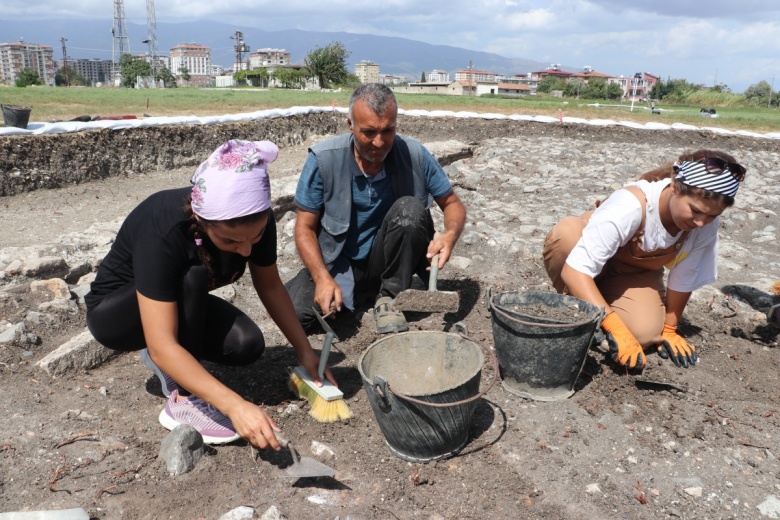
688	481
322	451
694	491
58	514
182	449
57	287
272	513
770	507
45	266
14	267
592	489
239	513
60	306
11	334
80	353
459	262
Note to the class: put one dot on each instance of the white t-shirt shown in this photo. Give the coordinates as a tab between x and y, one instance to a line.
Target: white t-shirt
617	220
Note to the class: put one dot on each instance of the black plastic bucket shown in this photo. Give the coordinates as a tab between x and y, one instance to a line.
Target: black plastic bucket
541	358
423	388
14	115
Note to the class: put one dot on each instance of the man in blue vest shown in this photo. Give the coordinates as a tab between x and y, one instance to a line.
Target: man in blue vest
364	226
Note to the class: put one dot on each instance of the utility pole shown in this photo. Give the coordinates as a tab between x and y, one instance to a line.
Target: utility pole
151	27
771	88
471	80
119	33
240	48
65	61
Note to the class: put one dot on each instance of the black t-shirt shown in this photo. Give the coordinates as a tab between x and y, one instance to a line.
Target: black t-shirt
154	249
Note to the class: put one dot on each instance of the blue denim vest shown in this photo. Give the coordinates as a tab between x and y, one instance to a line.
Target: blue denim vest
403	166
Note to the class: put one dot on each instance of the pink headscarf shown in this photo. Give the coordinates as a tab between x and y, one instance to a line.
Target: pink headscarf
233	182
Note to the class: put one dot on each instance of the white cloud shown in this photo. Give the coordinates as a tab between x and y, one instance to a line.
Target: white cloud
684	38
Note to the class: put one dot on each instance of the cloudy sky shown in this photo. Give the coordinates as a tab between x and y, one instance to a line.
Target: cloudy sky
731	42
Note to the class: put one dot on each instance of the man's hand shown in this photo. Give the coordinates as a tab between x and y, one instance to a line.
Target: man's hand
675	347
623	346
327	295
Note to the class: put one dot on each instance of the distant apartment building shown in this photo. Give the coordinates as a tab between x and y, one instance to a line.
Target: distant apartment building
265	58
197	60
17	56
367	71
390	79
473	75
95	71
438	76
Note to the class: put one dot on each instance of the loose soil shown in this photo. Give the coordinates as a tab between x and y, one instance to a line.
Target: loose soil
669	443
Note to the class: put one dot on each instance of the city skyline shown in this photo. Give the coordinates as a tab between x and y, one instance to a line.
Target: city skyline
702	43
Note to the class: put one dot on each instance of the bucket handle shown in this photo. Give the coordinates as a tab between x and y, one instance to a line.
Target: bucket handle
504	315
382	387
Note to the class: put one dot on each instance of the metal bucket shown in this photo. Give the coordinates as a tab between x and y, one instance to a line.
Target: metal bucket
423	388
541	358
16	116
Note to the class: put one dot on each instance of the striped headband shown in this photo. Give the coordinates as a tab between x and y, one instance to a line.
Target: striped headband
719	179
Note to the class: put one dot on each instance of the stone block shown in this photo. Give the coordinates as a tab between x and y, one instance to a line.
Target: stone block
80	353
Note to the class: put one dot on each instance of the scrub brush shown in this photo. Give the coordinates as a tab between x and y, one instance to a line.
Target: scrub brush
326	402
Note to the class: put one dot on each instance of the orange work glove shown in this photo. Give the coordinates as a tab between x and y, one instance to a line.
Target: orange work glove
623	346
675	347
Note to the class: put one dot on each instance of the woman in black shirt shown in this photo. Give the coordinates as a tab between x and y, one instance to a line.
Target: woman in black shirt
151	291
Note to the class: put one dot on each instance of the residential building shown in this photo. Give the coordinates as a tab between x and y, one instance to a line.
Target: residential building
552	70
389	79
196	58
419	87
268	58
638	86
367	71
474	75
96	71
17	56
438	76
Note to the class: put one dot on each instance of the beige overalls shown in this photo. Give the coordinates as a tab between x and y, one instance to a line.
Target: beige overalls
632	281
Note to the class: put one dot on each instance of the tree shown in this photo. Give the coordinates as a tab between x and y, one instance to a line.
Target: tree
288	77
422	77
758	94
167	77
574	87
28	77
184	73
328	64
549	83
74	78
595	89
131	67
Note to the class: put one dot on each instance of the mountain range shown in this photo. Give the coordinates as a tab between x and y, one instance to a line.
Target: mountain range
396	56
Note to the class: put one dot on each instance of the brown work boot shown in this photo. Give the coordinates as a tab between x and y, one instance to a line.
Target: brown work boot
387	318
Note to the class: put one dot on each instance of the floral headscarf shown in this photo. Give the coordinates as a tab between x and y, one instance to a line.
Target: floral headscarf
233	182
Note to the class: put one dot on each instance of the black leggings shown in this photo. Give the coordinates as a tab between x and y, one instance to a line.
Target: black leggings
210	328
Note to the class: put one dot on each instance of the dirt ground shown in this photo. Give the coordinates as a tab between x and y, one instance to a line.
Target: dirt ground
670	443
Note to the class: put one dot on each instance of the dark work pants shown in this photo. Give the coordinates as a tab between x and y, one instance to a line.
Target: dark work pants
209	328
398	253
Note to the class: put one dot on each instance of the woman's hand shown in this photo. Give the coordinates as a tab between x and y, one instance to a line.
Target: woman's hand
311	362
253	424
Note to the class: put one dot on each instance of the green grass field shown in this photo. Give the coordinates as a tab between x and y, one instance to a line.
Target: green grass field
51	104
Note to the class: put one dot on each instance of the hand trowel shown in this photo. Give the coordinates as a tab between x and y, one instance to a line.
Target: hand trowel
303	466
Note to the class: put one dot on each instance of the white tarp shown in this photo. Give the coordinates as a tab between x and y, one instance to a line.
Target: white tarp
73	126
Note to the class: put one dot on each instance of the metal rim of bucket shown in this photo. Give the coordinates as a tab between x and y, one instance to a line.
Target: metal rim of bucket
492	306
381	385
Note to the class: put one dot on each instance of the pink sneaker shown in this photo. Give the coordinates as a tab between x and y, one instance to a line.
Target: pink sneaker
212	424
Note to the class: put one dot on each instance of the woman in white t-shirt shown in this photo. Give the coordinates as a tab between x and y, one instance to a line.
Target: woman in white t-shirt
614	257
